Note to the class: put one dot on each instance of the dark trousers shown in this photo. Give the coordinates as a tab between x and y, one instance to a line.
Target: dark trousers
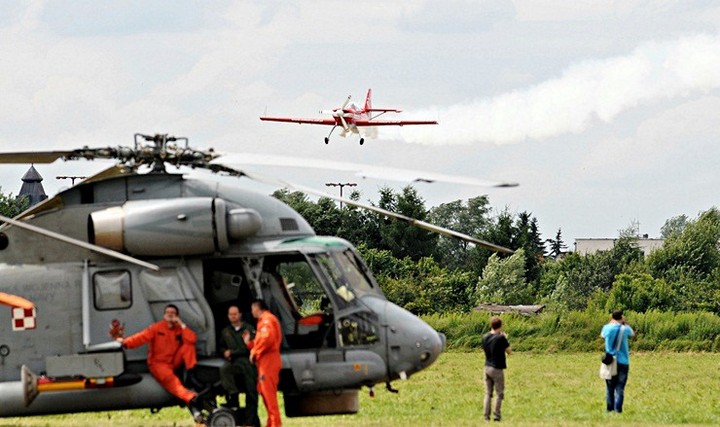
615	389
241	369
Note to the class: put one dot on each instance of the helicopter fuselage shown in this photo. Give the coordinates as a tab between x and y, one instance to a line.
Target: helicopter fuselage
216	245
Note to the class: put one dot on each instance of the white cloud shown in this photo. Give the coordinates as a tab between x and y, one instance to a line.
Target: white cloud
585	93
660	144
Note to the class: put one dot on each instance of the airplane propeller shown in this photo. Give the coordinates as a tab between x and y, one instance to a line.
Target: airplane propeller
347	101
340	113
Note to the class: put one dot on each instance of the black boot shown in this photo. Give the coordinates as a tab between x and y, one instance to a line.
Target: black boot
192	382
232	400
195	407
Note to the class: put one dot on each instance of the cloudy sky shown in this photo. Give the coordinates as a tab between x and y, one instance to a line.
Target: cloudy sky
605	112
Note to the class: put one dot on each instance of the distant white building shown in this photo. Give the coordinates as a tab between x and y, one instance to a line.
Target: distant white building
590	246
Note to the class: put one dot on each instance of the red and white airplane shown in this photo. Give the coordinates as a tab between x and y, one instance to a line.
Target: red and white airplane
351	118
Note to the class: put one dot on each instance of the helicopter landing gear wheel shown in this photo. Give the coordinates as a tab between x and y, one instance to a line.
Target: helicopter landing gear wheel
221	417
362	141
327	140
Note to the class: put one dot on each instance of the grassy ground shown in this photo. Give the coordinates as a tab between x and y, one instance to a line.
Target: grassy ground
546	389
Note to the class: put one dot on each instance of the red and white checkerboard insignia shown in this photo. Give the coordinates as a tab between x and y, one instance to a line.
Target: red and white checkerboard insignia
23	319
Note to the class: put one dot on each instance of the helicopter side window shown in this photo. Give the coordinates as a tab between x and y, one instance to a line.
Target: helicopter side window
112	290
312	326
303	287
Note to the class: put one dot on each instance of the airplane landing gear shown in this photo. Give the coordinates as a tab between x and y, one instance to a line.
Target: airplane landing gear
327	138
362	141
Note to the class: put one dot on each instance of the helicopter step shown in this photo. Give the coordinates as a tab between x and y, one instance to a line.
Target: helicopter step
145	392
34	385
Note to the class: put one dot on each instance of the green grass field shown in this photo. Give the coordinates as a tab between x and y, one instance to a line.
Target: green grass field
541	389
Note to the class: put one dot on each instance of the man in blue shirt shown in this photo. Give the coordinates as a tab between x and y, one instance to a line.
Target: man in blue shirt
615	386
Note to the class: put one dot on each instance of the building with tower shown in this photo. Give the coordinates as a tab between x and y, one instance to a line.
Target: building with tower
32	187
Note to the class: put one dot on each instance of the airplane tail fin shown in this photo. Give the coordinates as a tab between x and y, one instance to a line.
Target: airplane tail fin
368	100
369	108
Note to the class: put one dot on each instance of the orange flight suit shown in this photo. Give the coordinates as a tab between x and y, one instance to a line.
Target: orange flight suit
169	348
265	351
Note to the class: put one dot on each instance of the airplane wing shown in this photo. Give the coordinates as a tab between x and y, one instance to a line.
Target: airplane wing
360	123
327	122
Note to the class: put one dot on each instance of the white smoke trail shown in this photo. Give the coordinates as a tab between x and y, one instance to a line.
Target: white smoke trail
587	92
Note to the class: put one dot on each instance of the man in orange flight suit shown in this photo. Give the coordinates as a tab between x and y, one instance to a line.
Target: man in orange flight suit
265	353
172	344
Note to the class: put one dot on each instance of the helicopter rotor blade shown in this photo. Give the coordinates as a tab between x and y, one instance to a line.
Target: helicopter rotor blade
166	151
33	156
412	221
80	243
359	170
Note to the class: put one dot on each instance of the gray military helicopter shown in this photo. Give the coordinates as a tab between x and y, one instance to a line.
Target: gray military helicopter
107	255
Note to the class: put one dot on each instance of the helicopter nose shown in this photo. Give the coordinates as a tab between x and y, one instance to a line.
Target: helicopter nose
412	344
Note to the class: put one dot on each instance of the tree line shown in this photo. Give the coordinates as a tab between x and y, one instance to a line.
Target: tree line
428	273
10	205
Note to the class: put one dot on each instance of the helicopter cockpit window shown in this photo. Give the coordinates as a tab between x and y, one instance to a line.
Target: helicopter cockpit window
112	290
348	278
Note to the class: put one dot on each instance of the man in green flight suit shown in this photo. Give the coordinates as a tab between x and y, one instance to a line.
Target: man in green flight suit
238	357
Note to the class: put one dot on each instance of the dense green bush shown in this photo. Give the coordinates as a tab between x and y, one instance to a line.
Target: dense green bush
639	292
575	331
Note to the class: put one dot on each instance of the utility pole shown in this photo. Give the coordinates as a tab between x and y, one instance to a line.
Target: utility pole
341	185
72	178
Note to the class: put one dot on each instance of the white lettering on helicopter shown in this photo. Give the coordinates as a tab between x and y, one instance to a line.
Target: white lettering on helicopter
23	319
43	292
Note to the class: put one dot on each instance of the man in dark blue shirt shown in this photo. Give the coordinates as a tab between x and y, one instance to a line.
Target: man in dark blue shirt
496	346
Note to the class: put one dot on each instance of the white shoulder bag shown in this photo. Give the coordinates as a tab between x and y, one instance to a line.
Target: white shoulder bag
609	371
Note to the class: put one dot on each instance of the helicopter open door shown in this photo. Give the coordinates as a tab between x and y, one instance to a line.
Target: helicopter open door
121	302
